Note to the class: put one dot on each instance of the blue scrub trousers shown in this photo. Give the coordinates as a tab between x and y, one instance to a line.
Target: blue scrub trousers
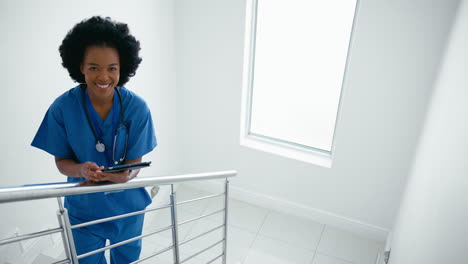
93	237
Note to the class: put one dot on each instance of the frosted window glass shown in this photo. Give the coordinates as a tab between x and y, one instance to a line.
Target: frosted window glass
300	54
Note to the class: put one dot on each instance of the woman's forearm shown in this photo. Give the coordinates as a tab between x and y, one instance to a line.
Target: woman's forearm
68	167
71	168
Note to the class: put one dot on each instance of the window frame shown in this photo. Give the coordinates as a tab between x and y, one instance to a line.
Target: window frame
265	143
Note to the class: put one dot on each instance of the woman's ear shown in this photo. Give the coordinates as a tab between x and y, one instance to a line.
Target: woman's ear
82	68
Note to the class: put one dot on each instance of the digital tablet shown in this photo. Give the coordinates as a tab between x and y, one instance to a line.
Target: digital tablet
132	166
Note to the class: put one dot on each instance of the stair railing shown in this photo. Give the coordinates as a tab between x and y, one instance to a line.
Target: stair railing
60	190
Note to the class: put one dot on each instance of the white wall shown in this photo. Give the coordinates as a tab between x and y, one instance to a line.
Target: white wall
432	222
395	54
32	77
394	57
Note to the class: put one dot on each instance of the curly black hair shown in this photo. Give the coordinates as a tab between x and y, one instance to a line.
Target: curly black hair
102	32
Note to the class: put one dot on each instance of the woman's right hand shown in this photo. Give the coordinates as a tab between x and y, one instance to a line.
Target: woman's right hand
89	170
71	168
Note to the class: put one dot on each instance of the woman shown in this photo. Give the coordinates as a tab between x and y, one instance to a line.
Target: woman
97	124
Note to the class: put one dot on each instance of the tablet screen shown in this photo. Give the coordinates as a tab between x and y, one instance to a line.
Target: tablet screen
132	166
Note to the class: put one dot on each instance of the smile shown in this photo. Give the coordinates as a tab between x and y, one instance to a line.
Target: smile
104	85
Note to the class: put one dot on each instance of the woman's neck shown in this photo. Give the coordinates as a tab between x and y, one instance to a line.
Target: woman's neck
101	103
100	100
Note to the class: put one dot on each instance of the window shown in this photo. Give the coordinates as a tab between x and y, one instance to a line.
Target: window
294	67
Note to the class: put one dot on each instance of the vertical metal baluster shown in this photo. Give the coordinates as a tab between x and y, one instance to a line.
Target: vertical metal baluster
226	196
66	245
67	235
175	232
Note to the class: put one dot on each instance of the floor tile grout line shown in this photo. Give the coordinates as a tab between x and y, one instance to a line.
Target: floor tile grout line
256	236
328	255
257	233
195	223
294	244
318	243
192	225
206	206
210	220
238	226
341	259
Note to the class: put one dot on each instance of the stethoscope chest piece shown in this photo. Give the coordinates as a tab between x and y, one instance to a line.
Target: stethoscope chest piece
100	147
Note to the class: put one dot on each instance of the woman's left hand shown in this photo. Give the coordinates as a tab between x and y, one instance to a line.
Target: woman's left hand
120	177
117	177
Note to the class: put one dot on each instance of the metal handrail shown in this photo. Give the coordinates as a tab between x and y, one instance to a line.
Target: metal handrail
58	190
52	190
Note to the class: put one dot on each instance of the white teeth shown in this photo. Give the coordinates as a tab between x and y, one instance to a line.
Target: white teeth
103	86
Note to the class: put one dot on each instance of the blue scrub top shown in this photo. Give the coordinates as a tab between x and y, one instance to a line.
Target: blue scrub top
66	133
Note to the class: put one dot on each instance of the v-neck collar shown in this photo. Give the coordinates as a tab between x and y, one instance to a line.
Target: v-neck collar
99	118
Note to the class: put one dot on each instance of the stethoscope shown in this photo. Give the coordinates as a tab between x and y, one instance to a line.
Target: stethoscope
100	147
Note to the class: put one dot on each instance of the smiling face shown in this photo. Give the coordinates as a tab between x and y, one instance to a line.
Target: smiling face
101	69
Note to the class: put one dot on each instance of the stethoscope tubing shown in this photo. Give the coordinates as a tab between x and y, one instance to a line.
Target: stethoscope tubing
121	122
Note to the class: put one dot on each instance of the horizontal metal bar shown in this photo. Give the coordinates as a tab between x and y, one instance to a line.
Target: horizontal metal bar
62	261
198	253
201	198
123	242
29	236
199	217
155	254
213	260
209	231
117	217
42	191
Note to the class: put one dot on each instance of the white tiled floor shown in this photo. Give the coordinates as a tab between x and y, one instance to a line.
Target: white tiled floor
255	236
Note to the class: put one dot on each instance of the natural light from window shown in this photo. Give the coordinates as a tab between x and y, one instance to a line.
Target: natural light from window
296	59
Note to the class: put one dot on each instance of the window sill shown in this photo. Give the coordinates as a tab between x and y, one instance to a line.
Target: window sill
288	151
